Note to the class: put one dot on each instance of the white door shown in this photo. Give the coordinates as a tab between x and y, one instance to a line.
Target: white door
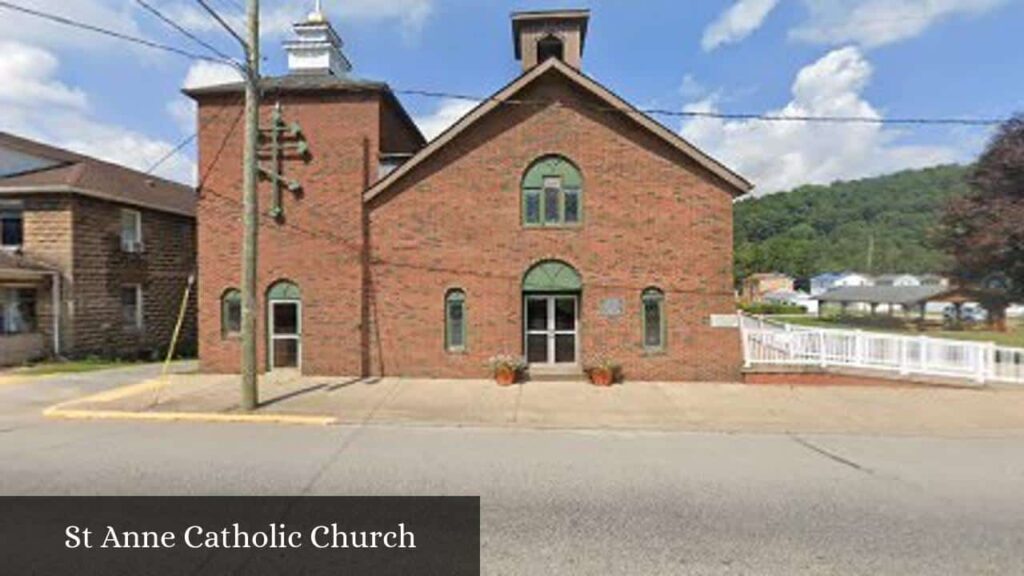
285	325
552	329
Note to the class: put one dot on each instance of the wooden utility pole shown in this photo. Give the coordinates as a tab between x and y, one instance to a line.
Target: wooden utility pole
250	201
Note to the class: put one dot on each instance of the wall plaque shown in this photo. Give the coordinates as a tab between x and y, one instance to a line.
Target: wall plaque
612	307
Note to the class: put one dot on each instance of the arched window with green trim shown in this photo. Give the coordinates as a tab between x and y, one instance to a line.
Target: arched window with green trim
552	193
653	319
455	321
231	312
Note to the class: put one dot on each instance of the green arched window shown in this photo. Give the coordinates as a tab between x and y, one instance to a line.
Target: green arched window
455	321
231	312
552	193
653	319
284	290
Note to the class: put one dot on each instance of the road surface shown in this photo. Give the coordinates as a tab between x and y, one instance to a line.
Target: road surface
575	502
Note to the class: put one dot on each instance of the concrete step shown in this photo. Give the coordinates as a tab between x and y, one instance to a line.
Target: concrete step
568	373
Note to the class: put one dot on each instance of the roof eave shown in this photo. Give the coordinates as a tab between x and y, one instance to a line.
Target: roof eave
97	194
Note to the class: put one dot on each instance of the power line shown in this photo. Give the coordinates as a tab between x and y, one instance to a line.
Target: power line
184	31
220	20
831	119
106	32
187	140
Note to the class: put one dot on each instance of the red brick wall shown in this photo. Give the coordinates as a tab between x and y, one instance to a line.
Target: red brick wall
319	245
650	218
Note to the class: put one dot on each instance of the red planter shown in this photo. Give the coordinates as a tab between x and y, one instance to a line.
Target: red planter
602	377
505	376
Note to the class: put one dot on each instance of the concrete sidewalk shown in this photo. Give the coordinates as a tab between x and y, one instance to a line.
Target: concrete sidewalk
725	407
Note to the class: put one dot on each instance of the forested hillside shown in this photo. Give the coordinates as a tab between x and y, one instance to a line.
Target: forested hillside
875	225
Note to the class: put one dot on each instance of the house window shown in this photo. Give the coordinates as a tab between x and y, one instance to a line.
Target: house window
455	321
552	193
131	306
131	230
653	315
231	313
17	310
11	228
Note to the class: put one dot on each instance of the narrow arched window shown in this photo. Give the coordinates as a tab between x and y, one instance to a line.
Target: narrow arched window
455	321
552	193
653	318
231	312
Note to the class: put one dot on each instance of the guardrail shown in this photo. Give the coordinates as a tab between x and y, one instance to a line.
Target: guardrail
767	342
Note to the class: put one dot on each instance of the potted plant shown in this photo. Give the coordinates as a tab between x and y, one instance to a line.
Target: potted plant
603	373
506	368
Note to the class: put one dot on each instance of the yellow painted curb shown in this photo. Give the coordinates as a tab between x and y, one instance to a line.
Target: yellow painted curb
70	414
65	410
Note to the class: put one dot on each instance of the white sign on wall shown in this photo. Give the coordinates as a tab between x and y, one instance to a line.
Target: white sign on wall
725	321
611	307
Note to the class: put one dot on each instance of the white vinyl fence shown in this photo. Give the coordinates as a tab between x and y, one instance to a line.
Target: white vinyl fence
771	343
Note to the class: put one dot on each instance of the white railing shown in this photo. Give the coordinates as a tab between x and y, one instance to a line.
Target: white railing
767	342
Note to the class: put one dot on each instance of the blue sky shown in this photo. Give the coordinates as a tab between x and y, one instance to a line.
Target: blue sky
884	58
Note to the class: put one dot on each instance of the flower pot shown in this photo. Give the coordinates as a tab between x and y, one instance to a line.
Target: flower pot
505	376
600	377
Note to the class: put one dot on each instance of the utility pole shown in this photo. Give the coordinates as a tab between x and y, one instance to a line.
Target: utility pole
250	201
871	251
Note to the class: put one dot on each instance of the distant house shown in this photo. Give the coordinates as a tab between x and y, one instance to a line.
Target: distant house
897	280
94	257
796	298
933	280
756	286
824	282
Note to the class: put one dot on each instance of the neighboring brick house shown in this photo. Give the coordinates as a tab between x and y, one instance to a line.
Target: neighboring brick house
553	221
95	258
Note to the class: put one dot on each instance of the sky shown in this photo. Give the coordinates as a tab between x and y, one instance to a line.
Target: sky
873	58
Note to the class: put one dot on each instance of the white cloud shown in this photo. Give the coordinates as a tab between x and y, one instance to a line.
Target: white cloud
448	112
37	106
780	155
871	23
204	73
27	75
112	14
277	17
736	23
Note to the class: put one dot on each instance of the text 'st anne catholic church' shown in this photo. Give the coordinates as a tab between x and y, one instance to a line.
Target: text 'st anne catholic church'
553	221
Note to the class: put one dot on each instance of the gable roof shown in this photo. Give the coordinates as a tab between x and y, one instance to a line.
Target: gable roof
79	174
739	184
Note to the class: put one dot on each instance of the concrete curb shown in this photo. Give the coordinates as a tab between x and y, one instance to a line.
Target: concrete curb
66	410
210	417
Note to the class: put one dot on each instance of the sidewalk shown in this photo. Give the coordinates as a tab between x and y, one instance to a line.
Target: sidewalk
725	407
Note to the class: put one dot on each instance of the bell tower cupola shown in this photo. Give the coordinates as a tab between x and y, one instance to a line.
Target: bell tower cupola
550	34
316	48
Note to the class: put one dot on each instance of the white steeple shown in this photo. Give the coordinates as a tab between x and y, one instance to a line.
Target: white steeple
316	48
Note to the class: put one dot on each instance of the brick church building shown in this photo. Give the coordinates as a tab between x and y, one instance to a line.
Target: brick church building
553	221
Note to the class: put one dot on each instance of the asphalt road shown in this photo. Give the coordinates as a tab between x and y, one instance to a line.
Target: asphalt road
576	502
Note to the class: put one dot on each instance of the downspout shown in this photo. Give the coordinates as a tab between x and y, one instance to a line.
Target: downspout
55	300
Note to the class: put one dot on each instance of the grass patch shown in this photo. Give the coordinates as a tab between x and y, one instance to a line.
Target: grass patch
1013	337
70	367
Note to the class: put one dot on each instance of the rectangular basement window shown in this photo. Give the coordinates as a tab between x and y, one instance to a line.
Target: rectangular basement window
131	306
